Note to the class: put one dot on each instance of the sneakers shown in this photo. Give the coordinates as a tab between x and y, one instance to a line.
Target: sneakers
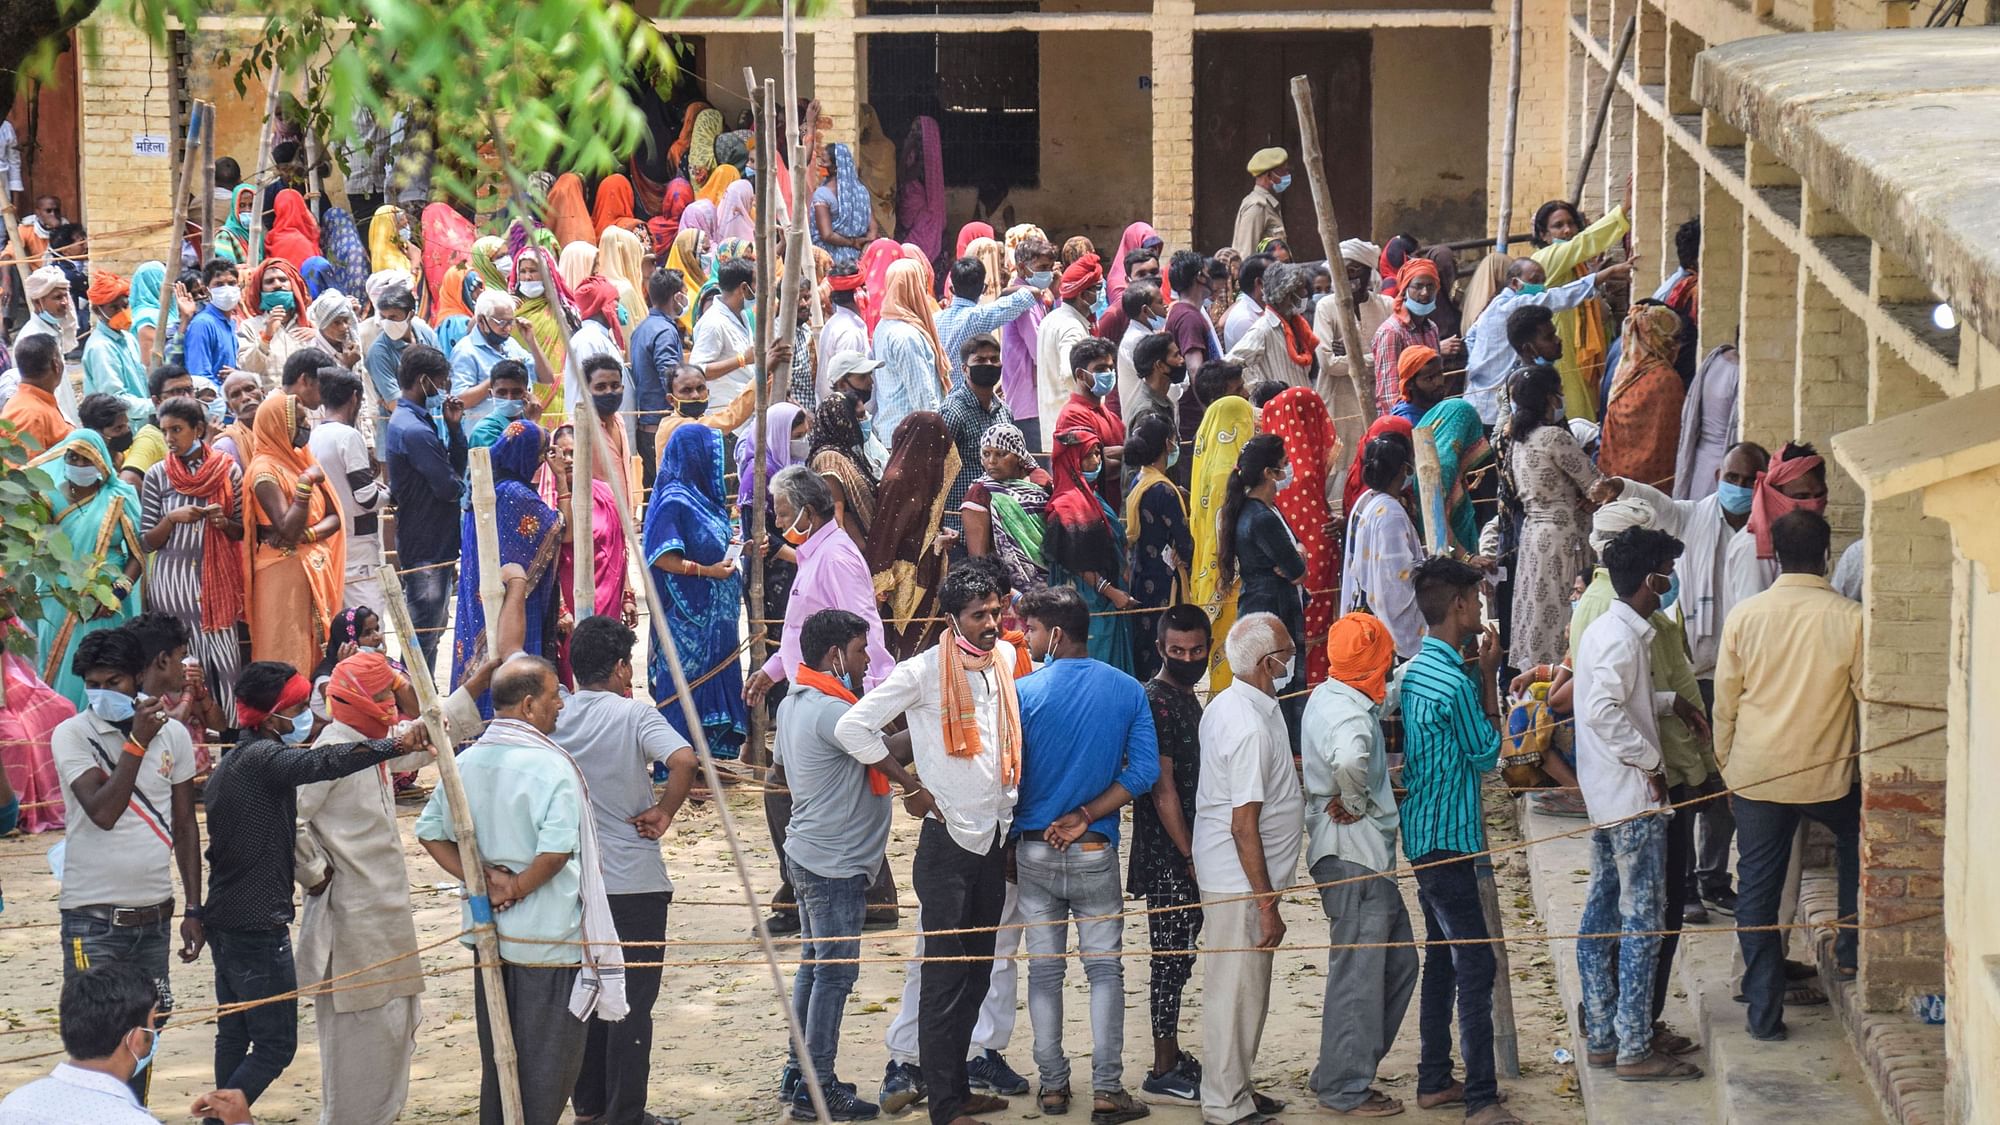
1181	1083
1694	913
902	1087
989	1072
842	1104
788	1083
1722	902
782	923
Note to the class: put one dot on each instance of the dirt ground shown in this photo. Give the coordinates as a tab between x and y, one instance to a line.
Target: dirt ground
719	1040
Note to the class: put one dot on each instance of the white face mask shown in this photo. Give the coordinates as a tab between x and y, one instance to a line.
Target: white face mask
1284	675
225	297
396	329
531	289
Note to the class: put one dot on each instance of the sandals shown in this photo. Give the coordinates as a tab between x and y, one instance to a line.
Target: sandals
1377	1104
1055	1103
1658	1068
1123	1108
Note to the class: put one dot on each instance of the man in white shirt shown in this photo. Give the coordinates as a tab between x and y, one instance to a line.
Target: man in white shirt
1249	820
1145	313
1621	770
127	772
110	1029
723	347
1065	326
844	330
971	775
1249	299
350	472
1351	823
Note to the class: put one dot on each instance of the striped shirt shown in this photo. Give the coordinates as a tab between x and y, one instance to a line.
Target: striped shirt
1447	743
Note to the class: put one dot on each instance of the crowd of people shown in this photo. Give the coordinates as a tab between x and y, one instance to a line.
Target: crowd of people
1044	533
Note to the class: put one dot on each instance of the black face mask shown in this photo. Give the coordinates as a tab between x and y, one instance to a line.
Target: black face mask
983	374
692	408
607	405
1186	673
862	394
119	444
1177	373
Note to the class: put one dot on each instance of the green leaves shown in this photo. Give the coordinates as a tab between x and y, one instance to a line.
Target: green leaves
36	559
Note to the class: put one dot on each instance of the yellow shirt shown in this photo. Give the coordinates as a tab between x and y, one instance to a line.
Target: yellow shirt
1787	682
149	448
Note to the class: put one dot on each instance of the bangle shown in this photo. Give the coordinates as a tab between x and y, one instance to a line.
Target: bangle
909	793
134	749
191	911
1101	584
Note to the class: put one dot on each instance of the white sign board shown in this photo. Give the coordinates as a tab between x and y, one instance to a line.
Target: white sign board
148	144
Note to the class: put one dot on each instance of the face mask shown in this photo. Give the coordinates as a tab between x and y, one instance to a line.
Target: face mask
1284	675
120	443
1673	591
1420	308
624	317
82	476
531	289
1204	301
1177	372
1544	361
1042	280
368	648
1092	474
193	450
120	321
862	394
1186	673
509	407
302	727
225	297
217	409
795	534
1173	455
494	339
1284	182
1734	498
1285	479
800	448
49	318
691	407
1102	382
278	299
396	329
111	706
1156	322
433	403
146	1060
1531	290
983	374
607	405
867	428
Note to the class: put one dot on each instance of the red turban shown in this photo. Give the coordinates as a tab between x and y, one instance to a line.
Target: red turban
1080	276
1412	360
597	297
106	287
846	282
295	691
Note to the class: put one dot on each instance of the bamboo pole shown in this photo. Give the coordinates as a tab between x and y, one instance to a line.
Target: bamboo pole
583	424
485	936
1329	236
277	80
753	519
176	220
486	529
207	203
798	260
1510	135
1506	1040
1603	109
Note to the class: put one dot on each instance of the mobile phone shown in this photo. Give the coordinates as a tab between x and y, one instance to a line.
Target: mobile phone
734	553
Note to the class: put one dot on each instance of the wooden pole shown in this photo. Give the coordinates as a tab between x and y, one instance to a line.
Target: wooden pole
582	517
485	936
767	319
1506	1040
800	266
486	528
1510	135
277	80
207	205
1329	235
1603	107
176	222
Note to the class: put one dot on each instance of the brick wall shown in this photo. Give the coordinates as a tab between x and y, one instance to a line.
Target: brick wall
1173	121
1830	393
1769	335
124	87
836	77
1541	152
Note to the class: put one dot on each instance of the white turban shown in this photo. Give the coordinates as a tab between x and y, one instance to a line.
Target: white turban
1617	516
329	306
45	281
385	285
1361	252
494	303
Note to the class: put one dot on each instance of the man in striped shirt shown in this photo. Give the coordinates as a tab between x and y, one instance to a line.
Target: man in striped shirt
1450	737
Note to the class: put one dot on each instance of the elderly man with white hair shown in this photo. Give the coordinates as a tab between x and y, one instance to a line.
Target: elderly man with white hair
1249	826
54	316
491	341
1272	349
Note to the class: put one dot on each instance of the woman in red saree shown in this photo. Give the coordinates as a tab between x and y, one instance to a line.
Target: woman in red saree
1299	416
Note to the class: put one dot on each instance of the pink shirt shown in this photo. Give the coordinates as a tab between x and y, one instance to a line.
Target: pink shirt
832	575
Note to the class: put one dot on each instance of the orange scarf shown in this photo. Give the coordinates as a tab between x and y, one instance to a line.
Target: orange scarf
1299	340
961	728
878	782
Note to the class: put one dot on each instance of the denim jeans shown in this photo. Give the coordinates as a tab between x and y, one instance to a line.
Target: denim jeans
1449	896
87	942
429	594
1080	881
254	1046
1764	831
1627	887
830	915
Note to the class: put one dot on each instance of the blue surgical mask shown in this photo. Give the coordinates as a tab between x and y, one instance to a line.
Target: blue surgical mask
216	409
302	728
1156	322
1042	280
509	407
1734	498
82	476
1284	482
1102	382
1527	290
1284	182
368	648
1420	308
1544	361
49	318
1673	593
146	1059
1091	475
1173	455
433	403
111	706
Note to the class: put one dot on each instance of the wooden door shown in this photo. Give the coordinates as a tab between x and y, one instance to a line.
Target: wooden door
1243	102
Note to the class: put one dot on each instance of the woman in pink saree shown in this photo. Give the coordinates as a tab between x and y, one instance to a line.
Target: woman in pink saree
32	711
607	536
920	199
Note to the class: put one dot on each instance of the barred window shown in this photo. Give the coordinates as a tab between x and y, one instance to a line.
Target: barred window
984	90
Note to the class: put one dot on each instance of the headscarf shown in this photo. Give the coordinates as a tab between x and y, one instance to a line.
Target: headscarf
1079	277
540	312
328	307
920	194
448	238
1074	249
734	217
905	298
701	146
148	281
597	297
1412	270
685	256
317	274
578	261
233	241
1350	494
1359	650
1446	316
970	232
1411	361
567	214
1362	253
1299	416
733	148
699	217
1016	508
876	163
488	262
344	629
1394	253
677	153
221	557
993	256
279	459
1135	236
876	259
837	429
1488	278
664	227
385	242
1079	536
451	300
106	287
909	506
852	208
614	204
294	234
1018	233
341	243
1652	337
775	443
253	288
719	182
351	692
1225	427
1768	505
621	257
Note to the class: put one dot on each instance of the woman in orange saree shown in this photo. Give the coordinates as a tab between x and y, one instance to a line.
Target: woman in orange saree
299	560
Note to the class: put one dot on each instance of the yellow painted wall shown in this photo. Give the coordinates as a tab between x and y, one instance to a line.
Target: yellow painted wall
725	56
1430	119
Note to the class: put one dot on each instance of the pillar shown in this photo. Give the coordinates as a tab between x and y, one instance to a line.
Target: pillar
1767	324
1830	391
124	89
838	78
1173	121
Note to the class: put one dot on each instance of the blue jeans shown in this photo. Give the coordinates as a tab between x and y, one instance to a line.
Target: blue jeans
254	1046
1764	831
87	942
1449	896
830	914
1627	887
429	594
1079	882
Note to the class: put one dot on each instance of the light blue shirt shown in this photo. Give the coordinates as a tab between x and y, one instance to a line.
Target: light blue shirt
384	359
1488	355
472	363
967	318
907	381
71	1095
525	802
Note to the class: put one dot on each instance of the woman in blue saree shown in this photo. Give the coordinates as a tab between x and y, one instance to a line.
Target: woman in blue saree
686	538
530	532
99	517
1084	546
1462	449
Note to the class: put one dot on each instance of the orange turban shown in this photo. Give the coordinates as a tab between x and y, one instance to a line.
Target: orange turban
1412	360
350	695
106	287
1412	269
1359	651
